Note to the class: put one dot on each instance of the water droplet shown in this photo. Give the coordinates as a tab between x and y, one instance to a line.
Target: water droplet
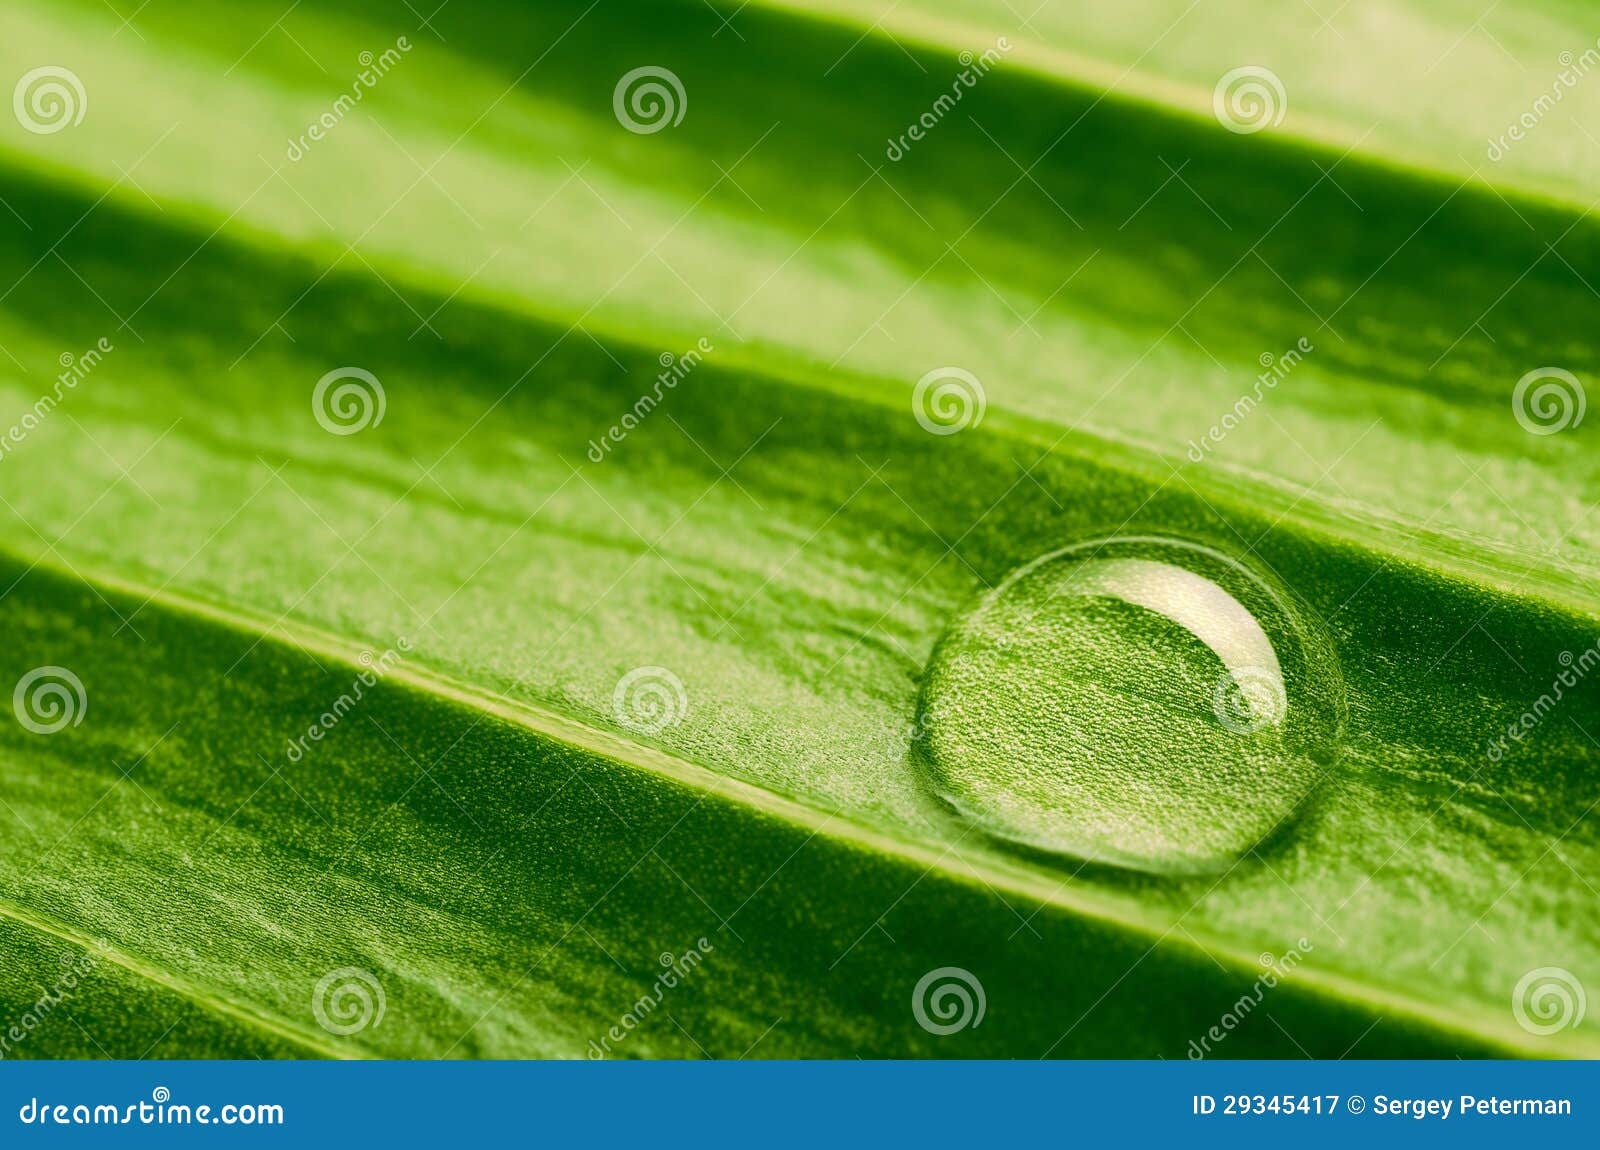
1138	701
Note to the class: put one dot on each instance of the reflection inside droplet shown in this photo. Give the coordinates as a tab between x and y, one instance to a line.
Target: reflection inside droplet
1140	701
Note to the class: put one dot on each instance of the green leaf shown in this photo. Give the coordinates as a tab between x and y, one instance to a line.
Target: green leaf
485	834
